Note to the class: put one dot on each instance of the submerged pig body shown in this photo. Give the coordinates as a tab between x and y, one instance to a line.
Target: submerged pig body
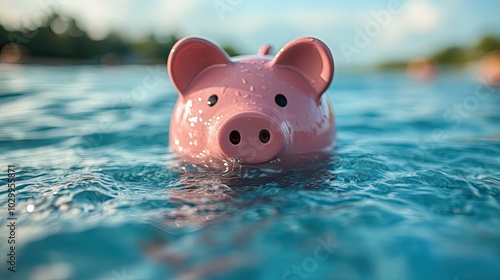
250	109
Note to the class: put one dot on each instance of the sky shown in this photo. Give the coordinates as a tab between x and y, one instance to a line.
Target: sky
359	33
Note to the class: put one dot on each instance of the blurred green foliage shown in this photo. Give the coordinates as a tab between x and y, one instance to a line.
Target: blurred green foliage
456	56
485	45
73	43
452	55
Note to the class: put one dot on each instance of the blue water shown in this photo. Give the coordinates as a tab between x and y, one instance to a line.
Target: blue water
411	190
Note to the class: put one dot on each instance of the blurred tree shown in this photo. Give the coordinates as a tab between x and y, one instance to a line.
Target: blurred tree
453	55
484	46
59	37
3	34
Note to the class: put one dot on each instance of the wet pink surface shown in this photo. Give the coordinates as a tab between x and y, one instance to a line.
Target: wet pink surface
251	109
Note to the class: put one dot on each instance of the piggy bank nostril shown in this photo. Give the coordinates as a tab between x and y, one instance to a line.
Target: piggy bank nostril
234	137
264	136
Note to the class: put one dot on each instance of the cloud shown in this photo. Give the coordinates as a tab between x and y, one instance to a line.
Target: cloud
9	15
25	14
312	19
99	18
250	30
422	16
132	18
169	15
393	33
417	17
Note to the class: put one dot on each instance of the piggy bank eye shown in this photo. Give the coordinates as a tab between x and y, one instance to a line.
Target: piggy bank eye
212	100
280	99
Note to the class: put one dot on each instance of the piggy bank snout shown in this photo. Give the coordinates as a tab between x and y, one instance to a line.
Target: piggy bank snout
252	137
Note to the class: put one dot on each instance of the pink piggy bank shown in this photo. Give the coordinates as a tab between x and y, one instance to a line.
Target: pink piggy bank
251	109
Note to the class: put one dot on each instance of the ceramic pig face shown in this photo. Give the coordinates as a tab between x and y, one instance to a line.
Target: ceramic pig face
250	109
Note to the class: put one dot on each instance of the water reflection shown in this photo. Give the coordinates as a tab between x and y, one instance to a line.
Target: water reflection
205	198
205	194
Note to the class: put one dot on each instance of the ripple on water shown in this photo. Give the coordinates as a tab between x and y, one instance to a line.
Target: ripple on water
389	200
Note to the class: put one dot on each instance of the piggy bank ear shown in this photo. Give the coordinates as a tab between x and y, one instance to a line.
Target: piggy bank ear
191	56
311	58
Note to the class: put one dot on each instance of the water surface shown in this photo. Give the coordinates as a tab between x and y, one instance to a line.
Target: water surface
411	190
